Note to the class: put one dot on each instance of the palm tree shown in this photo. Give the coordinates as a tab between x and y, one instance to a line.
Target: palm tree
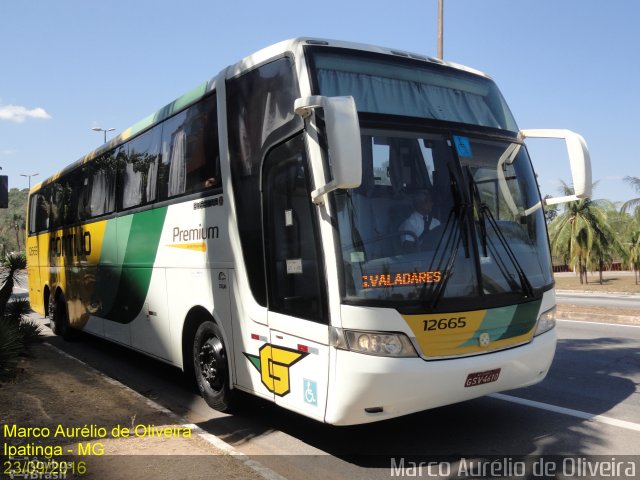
609	241
11	266
633	255
606	247
581	234
16	331
634	203
19	225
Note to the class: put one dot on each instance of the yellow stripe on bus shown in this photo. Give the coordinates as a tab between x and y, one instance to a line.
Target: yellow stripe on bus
196	247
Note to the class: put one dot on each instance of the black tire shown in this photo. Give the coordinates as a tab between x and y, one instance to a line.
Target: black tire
211	367
59	319
55	327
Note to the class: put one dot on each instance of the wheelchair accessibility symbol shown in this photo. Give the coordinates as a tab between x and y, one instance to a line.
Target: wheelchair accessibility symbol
310	392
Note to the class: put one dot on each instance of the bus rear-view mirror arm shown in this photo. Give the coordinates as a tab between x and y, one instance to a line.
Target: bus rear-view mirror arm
579	161
342	130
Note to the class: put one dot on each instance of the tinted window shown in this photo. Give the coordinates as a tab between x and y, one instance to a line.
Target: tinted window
397	86
62	201
190	158
259	114
100	178
139	174
294	267
39	211
33	208
83	198
179	156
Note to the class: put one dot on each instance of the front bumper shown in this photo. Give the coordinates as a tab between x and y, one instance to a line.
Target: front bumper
399	386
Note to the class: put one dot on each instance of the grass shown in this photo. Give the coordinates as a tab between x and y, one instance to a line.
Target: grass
623	282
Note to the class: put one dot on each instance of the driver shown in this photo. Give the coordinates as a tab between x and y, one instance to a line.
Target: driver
416	226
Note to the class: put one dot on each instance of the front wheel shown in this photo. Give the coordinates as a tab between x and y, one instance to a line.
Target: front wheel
211	367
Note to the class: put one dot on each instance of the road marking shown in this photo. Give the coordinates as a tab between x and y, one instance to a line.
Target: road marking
598	323
568	411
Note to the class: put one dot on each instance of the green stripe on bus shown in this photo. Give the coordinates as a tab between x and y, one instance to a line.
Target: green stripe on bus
524	319
139	256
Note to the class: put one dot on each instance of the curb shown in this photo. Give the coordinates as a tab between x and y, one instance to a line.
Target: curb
599	317
213	440
564	311
599	294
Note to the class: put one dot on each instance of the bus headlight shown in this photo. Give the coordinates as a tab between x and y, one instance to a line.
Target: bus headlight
382	344
546	321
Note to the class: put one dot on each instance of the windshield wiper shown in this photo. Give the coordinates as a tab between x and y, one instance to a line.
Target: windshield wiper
457	214
484	213
454	240
473	187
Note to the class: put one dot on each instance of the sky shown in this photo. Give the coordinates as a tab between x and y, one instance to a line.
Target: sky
70	65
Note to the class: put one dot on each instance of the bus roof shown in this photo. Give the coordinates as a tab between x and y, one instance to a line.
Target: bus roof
291	45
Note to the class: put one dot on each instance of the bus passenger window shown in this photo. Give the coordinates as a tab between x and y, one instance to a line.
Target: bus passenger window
39	211
62	201
190	157
139	174
103	184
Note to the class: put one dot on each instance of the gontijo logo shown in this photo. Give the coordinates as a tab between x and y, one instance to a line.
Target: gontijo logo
73	244
274	363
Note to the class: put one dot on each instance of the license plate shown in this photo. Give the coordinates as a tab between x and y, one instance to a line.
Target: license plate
480	378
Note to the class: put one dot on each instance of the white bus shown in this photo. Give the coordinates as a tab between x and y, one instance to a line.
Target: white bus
352	232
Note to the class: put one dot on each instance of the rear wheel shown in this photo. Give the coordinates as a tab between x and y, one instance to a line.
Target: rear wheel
211	367
59	319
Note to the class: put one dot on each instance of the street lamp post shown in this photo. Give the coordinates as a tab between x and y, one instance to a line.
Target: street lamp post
29	175
105	130
440	29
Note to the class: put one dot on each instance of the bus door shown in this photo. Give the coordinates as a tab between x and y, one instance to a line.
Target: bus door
298	353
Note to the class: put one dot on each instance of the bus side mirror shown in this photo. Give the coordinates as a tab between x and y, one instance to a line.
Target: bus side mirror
579	159
343	138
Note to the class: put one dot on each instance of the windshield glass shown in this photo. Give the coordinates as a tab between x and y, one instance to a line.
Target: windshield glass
441	217
510	231
415	88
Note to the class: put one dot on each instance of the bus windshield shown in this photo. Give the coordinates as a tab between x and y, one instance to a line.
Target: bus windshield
441	216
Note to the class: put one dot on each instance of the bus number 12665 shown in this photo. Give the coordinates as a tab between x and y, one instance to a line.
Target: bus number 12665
444	323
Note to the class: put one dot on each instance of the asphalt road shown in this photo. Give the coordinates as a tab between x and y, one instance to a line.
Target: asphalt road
588	405
593	299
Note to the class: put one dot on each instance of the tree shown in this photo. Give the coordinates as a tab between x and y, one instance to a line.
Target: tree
634	203
632	259
16	213
550	211
19	226
582	236
16	331
11	266
608	246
